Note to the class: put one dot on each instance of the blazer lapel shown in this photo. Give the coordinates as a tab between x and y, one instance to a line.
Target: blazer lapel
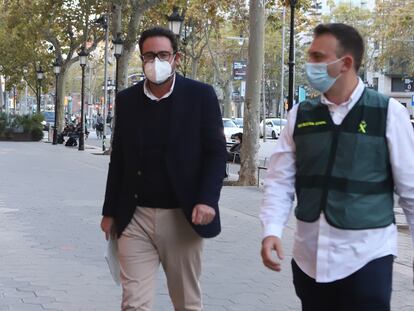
178	109
135	117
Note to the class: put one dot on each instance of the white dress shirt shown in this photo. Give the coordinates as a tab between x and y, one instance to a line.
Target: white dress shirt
322	251
151	96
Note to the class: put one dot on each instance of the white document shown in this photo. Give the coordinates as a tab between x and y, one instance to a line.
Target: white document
111	257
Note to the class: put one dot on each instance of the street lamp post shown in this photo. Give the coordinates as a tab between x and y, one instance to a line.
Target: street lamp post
111	87
56	69
291	52
83	57
24	79
1	89
118	47
280	111
175	24
40	76
264	102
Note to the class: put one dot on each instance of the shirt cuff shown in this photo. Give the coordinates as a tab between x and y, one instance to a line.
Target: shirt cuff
272	229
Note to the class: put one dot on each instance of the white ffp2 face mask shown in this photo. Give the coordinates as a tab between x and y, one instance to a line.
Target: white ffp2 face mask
158	71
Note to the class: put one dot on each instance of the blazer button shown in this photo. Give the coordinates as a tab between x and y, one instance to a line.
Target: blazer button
139	173
136	196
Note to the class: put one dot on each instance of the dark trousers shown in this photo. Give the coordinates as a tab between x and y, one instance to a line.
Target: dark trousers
368	289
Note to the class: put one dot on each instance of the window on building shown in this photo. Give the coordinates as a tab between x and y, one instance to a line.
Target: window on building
397	85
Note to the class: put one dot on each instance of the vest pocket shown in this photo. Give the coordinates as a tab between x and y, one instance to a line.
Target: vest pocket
308	199
361	157
359	211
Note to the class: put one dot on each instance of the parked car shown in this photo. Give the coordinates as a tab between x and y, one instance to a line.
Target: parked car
238	121
230	128
274	127
49	119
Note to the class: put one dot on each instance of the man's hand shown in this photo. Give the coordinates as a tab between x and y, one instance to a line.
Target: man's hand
269	244
106	226
203	214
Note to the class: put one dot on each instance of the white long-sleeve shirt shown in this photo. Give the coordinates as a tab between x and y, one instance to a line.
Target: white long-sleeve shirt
322	251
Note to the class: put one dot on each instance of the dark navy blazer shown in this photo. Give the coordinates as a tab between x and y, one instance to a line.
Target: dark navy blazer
195	157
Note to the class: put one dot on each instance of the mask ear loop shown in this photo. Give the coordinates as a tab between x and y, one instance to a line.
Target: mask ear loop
175	54
334	62
172	70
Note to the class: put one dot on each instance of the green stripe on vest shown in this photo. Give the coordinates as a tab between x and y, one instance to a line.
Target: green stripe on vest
344	170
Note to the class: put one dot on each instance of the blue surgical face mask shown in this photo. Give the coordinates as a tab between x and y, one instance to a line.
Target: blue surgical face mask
318	77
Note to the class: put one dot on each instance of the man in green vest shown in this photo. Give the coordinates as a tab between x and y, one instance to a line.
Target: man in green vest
343	154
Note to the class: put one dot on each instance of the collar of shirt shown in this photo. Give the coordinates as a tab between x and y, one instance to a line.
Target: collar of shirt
151	96
355	96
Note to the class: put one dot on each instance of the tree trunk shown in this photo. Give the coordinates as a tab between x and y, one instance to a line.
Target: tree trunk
132	35
239	108
194	68
128	50
61	99
129	41
250	146
116	20
123	68
273	106
1	95
227	113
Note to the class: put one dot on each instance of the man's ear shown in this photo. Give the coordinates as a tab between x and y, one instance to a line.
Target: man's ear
348	62
177	59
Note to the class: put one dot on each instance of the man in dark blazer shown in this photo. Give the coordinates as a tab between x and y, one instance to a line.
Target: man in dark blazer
165	176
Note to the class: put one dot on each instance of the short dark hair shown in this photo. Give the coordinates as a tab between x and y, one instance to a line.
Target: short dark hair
239	136
350	40
158	32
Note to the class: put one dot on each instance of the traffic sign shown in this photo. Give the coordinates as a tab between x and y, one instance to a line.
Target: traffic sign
239	70
409	84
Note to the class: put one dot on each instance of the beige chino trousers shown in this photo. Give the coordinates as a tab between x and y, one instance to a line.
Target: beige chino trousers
157	236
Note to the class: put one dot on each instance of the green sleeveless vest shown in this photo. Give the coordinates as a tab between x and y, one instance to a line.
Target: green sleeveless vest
344	170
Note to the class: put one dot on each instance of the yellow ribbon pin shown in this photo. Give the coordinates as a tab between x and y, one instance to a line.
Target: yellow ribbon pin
362	127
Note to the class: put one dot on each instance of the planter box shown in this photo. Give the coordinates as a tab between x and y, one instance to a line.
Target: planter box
16	137
19	130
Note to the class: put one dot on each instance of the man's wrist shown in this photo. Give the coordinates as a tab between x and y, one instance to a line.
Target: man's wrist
267	237
272	230
204	203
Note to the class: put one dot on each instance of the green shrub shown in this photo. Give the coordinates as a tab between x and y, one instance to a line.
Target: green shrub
21	121
3	124
36	134
31	124
38	118
8	133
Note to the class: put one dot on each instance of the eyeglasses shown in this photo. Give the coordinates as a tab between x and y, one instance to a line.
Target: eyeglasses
150	56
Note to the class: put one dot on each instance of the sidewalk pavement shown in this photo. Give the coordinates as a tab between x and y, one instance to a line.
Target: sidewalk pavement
52	249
